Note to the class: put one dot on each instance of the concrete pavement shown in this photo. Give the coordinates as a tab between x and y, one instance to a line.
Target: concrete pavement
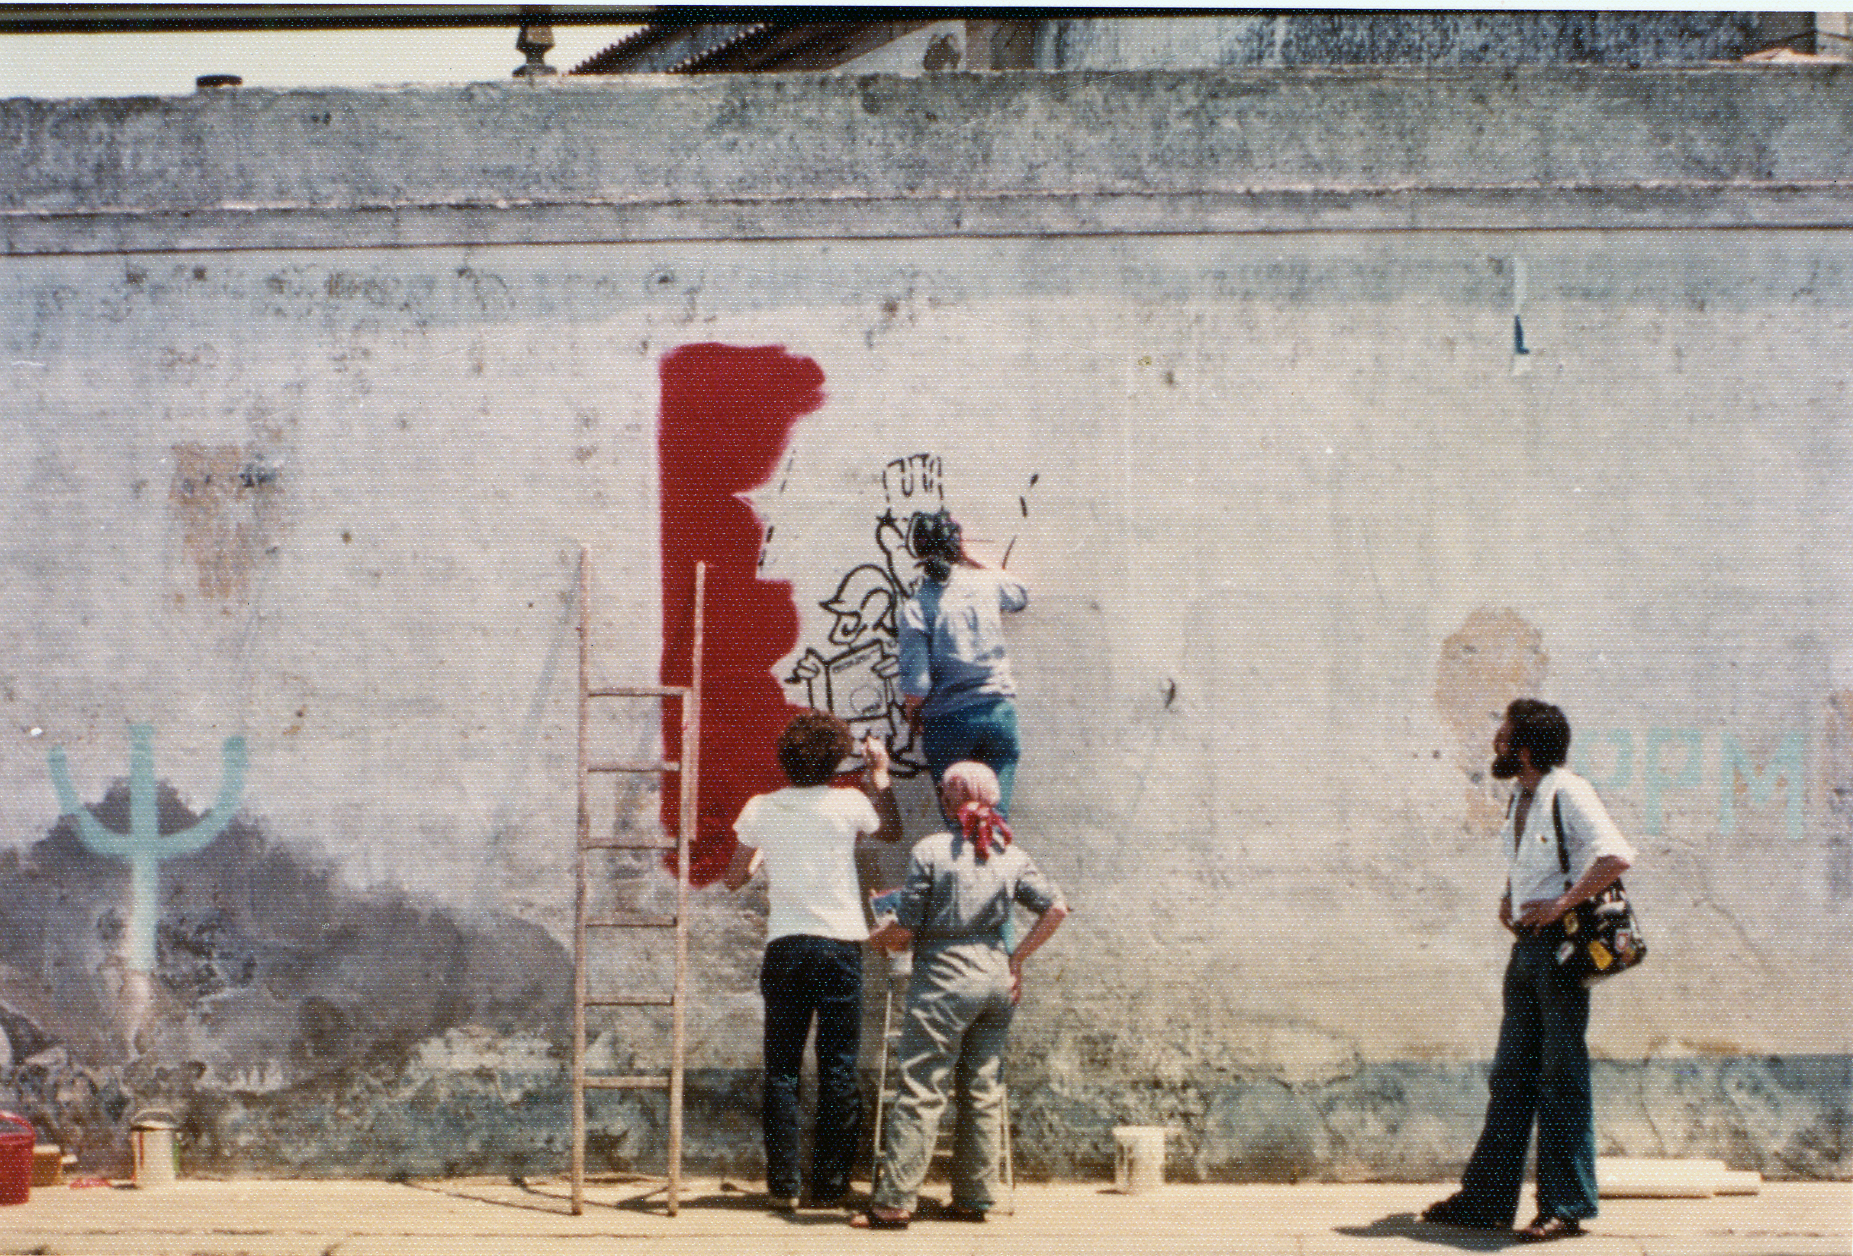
466	1217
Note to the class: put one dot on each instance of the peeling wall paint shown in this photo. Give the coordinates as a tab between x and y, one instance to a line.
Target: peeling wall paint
1493	658
220	497
1294	530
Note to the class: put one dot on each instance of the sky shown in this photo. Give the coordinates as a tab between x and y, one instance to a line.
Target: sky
167	63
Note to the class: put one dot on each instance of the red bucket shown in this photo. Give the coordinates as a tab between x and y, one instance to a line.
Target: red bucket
16	1139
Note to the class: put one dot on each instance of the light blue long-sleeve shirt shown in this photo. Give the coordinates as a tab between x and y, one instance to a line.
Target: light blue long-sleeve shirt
952	639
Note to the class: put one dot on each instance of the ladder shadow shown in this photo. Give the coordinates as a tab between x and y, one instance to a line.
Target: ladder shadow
556	1199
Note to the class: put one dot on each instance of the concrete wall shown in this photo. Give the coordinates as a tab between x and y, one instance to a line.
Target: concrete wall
1323	411
1426	39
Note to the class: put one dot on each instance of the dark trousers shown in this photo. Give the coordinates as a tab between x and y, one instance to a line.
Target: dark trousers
1541	1072
805	979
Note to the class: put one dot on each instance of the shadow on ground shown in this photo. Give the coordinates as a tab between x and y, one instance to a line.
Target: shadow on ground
1407	1225
638	1194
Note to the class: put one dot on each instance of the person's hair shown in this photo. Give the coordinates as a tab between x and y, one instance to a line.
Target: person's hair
1541	729
974	780
938	543
812	746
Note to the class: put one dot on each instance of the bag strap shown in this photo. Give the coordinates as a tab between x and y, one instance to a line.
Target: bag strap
1563	856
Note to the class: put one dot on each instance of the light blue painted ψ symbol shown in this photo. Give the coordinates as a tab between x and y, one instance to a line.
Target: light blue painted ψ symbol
143	846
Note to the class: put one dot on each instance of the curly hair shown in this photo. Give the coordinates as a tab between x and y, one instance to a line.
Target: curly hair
812	746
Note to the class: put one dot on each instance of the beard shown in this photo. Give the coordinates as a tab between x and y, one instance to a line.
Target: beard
1507	765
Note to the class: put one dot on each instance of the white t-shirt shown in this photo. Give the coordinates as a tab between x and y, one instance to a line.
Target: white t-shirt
808	835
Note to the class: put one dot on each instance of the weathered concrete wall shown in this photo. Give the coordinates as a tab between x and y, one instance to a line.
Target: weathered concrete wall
1175	42
1324	413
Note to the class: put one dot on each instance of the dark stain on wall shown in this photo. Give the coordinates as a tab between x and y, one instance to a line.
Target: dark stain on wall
1783	1116
290	1019
1836	788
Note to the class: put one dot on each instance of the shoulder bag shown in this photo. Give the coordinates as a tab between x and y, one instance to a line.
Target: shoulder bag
1601	936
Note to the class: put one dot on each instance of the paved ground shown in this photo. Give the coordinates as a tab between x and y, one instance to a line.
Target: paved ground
467	1217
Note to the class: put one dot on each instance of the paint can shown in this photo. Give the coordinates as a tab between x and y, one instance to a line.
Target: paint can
48	1161
16	1141
154	1137
1139	1158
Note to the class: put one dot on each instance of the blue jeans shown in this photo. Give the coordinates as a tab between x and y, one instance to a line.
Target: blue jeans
985	731
805	978
1541	1070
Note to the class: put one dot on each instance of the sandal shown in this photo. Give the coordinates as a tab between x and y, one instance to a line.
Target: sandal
869	1219
1549	1229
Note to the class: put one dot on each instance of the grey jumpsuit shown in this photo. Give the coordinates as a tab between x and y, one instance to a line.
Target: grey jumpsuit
958	1014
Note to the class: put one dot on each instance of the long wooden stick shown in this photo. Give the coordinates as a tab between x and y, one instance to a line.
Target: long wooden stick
579	909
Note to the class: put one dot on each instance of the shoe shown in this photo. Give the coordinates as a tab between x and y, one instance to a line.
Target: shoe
869	1219
1549	1229
782	1203
829	1203
1456	1211
963	1212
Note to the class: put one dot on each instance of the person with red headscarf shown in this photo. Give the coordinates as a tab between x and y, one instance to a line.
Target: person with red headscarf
952	910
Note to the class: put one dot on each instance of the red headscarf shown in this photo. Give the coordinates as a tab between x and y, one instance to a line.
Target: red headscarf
984	828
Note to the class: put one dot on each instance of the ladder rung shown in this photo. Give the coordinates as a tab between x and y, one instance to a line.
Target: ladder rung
640	691
626	1083
664	1001
662	846
642	769
633	922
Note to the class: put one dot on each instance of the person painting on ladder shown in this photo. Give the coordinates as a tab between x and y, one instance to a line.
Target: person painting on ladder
956	684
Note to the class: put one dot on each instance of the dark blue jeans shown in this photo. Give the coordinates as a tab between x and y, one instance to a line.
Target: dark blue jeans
985	731
1541	1071
805	978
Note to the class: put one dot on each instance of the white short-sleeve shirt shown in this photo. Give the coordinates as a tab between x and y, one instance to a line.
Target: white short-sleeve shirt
808	836
1588	834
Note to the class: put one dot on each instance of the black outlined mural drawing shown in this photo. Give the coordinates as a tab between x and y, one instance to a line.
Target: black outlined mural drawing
853	674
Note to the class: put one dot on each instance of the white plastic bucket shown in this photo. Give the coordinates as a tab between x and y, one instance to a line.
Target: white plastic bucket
157	1148
1139	1158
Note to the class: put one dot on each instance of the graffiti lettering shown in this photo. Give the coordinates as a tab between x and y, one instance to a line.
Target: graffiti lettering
1655	776
1785	764
915	476
1675	759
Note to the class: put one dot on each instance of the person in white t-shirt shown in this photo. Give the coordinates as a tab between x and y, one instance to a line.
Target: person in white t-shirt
805	837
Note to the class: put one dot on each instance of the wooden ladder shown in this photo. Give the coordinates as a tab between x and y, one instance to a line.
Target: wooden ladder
586	926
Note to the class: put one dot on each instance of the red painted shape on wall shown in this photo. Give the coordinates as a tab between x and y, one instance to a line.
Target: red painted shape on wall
727	415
